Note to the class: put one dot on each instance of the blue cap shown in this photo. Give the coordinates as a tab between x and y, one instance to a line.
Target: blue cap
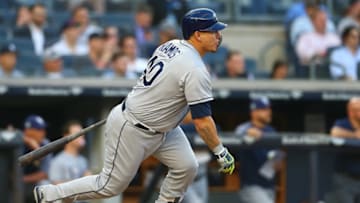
259	103
35	121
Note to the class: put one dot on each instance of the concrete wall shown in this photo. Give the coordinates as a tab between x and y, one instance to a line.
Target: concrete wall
264	43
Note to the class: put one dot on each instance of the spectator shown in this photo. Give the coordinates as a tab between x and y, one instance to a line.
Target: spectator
35	29
119	65
344	60
280	70
99	56
128	45
8	60
235	67
315	44
347	170
35	173
167	32
53	66
69	164
68	44
143	22
303	24
23	17
257	186
352	17
80	15
112	38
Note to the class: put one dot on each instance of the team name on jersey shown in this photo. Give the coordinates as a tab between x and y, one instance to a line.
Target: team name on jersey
169	49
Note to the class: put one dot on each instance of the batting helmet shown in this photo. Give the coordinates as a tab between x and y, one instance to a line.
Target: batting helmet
200	19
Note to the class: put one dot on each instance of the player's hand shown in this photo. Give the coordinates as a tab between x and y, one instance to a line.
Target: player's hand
226	161
254	132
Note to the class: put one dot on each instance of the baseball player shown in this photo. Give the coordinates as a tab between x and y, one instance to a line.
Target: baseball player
146	123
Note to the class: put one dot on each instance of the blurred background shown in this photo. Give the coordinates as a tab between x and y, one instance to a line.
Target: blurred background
285	82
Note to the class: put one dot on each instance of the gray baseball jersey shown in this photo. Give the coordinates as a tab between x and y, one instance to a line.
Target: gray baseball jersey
175	78
65	167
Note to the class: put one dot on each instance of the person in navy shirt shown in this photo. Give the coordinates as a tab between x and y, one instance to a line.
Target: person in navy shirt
346	180
34	137
257	170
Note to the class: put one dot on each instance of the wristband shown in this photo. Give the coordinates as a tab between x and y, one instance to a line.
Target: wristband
218	149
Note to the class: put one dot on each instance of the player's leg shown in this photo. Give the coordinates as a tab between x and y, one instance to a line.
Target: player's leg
125	148
177	154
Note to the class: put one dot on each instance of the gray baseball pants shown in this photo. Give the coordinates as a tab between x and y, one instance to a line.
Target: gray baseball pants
126	147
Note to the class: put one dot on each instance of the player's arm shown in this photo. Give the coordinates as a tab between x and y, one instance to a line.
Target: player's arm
341	132
198	93
205	126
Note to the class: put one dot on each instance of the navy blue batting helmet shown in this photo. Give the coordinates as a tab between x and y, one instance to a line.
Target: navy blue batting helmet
200	19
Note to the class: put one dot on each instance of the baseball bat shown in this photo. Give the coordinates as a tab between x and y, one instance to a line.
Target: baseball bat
55	145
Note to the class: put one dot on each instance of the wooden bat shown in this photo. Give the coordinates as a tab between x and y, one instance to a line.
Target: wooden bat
55	145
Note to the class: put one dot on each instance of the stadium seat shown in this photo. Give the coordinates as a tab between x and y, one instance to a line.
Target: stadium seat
82	66
322	71
122	20
24	45
250	65
116	6
7	17
4	33
216	60
29	64
57	19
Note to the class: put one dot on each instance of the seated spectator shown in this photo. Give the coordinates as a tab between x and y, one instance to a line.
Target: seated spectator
80	15
112	38
53	66
166	33
23	16
347	165
35	173
256	185
143	21
98	55
303	24
8	60
68	44
352	17
69	164
344	60
235	67
35	29
314	44
280	70
128	45
118	68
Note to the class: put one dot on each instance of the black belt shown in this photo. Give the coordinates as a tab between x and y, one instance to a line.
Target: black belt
139	125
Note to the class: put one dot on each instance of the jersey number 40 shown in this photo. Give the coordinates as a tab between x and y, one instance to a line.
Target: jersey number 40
152	71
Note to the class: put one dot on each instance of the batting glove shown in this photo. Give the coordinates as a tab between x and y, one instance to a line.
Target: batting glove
226	161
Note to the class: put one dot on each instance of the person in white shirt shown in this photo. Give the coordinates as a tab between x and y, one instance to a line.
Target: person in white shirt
303	24
315	44
128	45
8	62
68	44
344	60
80	15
